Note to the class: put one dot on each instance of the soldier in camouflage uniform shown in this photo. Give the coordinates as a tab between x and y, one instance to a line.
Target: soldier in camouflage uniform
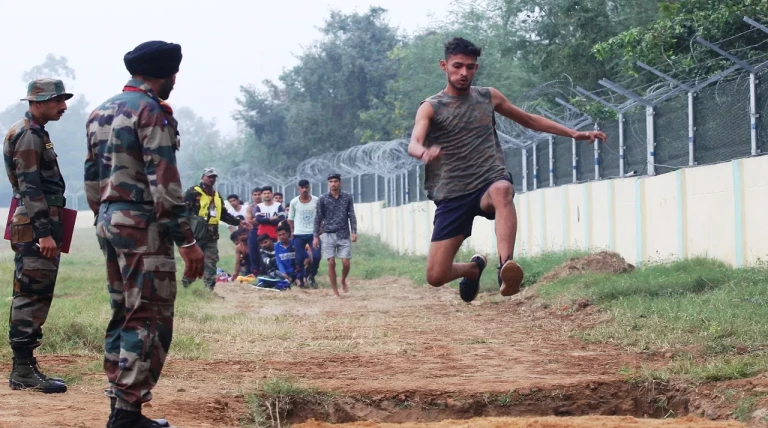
204	201
33	171
133	187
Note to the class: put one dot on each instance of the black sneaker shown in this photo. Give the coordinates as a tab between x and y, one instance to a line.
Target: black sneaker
312	282
468	288
510	278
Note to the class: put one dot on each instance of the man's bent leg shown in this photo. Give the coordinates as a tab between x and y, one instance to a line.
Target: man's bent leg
440	266
498	199
211	252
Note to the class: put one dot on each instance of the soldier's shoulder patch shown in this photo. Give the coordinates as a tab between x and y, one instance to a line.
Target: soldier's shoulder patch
49	145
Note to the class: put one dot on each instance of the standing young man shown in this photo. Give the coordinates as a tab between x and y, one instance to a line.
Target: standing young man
455	136
237	209
335	214
36	229
269	214
301	218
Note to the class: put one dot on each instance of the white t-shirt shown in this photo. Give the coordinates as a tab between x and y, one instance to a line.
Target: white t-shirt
303	216
243	209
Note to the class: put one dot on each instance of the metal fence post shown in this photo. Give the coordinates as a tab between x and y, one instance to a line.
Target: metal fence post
691	131
753	115
418	191
525	170
551	161
535	168
573	158
651	140
407	190
376	187
386	191
597	155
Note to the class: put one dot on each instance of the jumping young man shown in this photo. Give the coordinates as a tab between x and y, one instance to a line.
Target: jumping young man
455	136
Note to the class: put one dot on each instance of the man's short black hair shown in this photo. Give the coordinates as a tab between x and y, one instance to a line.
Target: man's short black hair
266	188
233	197
334	176
284	226
278	194
461	46
303	183
263	237
256	190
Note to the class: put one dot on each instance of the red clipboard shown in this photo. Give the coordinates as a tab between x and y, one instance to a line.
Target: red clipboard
68	218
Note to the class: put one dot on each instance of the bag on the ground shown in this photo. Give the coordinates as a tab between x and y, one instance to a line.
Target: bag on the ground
277	283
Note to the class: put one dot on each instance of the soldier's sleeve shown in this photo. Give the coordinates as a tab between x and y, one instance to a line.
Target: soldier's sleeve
226	217
26	159
159	154
91	178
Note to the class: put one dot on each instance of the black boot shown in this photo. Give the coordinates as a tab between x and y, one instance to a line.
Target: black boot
26	375
124	418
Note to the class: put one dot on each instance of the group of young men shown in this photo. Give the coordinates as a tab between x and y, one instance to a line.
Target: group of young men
289	242
133	188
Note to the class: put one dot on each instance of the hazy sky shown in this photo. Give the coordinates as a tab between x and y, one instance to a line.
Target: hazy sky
225	44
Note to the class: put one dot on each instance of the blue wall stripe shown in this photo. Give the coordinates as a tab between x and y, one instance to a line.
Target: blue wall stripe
611	245
738	205
587	222
680	215
638	221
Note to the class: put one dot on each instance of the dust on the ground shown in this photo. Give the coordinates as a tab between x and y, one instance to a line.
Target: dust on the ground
386	341
602	262
544	422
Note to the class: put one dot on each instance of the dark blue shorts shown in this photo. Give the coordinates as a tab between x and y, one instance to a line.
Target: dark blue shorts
454	216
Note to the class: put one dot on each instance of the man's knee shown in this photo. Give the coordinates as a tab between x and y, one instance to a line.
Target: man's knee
502	191
436	277
345	263
332	262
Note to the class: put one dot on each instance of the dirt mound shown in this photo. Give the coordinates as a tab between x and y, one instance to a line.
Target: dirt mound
602	262
545	422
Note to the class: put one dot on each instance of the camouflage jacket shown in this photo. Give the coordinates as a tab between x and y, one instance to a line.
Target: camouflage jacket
132	144
33	170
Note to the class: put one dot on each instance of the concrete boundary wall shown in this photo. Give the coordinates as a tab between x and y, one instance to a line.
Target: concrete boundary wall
717	211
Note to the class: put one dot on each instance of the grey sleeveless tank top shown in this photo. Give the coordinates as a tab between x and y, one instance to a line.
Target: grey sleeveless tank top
470	152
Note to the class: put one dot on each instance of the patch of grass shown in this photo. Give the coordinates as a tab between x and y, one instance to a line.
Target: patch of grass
373	259
81	310
698	304
272	399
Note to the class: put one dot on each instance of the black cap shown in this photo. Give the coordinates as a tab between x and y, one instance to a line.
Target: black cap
335	175
303	183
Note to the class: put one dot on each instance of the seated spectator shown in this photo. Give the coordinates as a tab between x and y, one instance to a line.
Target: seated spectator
242	259
286	256
267	253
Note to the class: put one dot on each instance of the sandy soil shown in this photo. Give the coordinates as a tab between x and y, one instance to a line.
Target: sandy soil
390	352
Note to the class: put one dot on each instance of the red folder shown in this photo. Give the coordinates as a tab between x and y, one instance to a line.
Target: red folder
68	218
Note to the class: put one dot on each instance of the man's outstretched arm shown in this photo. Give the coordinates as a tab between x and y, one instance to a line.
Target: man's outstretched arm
538	123
416	148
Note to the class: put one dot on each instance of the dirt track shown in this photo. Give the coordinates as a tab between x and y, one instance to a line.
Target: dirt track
391	352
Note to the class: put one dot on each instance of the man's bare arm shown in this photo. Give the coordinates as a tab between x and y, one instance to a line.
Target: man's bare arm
538	123
416	148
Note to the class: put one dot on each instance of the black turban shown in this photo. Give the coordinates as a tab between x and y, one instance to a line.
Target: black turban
155	59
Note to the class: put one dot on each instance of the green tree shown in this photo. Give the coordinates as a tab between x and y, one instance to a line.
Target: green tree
667	41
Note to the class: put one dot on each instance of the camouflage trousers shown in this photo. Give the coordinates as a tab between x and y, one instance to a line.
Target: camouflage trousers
210	248
34	278
141	280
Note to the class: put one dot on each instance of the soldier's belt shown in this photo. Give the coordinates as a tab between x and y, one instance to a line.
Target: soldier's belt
51	200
